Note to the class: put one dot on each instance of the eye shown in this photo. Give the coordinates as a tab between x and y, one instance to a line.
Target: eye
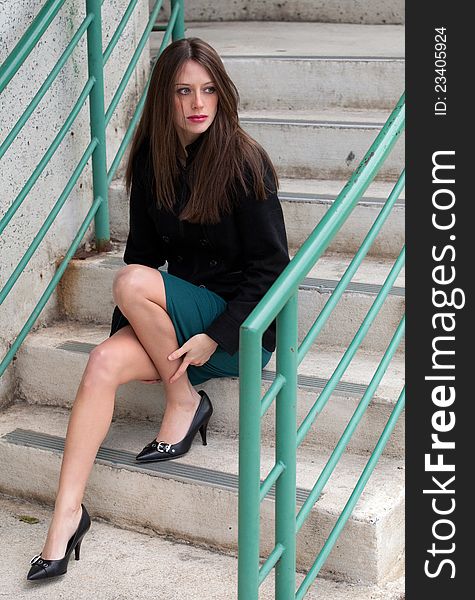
184	91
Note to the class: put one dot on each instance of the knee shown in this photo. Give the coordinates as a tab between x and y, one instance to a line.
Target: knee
103	366
130	282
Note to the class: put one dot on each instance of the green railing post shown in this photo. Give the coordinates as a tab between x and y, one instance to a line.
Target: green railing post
250	361
286	449
98	125
178	32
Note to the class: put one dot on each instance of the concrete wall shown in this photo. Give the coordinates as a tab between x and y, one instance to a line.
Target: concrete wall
27	150
376	12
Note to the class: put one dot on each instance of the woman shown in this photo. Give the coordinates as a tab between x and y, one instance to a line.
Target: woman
203	198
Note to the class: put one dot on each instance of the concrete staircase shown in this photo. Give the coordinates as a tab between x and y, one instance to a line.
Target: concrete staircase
314	94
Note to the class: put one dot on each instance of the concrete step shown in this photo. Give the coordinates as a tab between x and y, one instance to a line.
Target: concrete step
86	295
302	64
60	353
204	483
304	202
354	304
344	11
321	144
180	576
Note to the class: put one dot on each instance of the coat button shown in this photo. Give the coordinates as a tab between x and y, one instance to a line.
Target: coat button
165	238
179	259
204	243
213	263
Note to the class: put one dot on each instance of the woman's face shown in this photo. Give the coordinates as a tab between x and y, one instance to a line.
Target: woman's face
195	95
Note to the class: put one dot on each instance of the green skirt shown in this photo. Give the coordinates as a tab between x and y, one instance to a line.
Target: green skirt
192	309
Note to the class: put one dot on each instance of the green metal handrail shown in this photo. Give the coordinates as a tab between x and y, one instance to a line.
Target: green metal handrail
99	119
281	303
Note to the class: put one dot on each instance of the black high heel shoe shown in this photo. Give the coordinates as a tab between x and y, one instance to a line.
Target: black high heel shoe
159	451
43	568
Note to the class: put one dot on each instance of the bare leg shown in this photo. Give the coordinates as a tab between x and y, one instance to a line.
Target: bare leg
118	359
140	294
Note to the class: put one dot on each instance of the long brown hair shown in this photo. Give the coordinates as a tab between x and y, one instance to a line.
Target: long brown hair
228	159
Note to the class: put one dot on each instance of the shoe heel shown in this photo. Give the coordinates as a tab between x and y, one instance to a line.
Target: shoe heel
77	550
203	429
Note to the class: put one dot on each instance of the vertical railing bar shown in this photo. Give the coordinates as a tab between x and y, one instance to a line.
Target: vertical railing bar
178	12
345	514
169	31
250	361
286	448
98	126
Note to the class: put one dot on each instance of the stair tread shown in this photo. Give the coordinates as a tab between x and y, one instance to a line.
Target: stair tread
383	492
310	190
351	117
185	577
319	362
281	39
377	190
331	266
372	271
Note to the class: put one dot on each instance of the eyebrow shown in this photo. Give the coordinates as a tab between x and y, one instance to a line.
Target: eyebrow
191	84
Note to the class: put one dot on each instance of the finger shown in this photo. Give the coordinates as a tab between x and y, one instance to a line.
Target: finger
177	353
179	372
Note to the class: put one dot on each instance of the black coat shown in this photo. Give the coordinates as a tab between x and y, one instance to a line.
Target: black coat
238	258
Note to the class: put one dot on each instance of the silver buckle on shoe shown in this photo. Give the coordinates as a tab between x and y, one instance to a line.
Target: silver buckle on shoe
36	559
163	447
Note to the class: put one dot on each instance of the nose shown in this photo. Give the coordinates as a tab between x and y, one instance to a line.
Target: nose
197	100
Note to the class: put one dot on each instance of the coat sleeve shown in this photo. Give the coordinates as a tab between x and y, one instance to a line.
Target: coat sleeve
264	252
143	242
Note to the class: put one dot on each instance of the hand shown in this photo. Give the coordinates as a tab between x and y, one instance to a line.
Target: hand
197	350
